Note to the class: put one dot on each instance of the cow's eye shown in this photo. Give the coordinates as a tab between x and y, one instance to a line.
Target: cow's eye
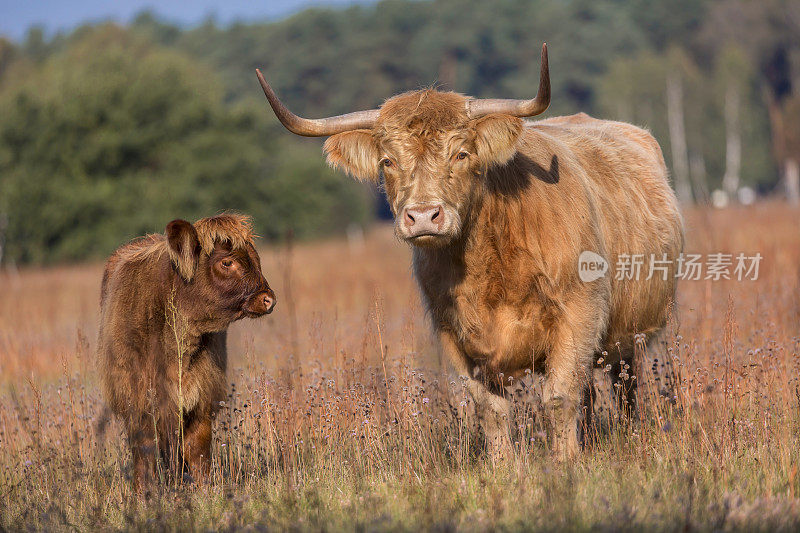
227	263
386	162
462	155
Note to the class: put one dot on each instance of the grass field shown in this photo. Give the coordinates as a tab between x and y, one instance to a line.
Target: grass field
341	414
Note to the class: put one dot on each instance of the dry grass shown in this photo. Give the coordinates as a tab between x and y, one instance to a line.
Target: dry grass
341	414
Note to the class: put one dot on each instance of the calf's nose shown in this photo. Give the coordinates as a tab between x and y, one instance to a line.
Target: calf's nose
423	219
262	303
268	299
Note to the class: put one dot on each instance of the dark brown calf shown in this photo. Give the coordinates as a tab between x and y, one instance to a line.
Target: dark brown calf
166	303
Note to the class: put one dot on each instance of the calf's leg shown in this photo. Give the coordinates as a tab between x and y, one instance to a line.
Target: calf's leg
197	446
144	449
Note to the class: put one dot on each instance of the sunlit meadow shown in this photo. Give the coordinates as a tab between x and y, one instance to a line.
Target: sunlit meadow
342	415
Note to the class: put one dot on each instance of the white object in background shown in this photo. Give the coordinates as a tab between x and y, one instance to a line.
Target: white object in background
747	195
719	199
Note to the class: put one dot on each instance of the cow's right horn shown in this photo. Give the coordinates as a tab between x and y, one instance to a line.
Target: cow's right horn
320	127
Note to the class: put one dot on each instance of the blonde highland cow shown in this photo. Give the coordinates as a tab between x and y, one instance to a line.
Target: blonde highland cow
498	211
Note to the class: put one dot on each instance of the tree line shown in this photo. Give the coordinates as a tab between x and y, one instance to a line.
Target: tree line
109	131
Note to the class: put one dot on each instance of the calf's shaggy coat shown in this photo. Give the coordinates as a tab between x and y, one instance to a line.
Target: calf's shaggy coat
166	302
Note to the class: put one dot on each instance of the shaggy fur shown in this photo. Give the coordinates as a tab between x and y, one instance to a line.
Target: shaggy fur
166	302
521	201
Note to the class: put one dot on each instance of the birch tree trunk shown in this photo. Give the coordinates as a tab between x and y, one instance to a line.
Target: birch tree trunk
697	169
3	227
733	142
677	138
787	163
791	178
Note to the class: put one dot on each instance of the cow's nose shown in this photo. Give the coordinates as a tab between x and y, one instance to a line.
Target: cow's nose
423	219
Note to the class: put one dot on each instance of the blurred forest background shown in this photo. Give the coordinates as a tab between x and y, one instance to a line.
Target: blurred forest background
110	131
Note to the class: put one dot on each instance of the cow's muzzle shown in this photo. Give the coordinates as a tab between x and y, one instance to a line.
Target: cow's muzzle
422	220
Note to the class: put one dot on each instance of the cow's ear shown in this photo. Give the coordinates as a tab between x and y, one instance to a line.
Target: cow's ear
184	247
356	152
496	137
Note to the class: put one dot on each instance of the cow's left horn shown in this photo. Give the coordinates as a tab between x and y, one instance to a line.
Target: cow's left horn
518	108
320	127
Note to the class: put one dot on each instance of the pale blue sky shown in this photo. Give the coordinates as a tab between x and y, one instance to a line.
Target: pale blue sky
16	16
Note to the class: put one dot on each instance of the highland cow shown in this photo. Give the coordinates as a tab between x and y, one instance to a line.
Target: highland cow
166	303
499	211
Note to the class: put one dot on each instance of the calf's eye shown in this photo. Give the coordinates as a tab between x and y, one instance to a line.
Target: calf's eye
462	155
227	263
386	162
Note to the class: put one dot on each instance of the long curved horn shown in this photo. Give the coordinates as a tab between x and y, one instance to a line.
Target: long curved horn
517	108
320	127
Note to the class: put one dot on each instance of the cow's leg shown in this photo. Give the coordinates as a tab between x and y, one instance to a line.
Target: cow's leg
568	372
563	407
493	410
197	446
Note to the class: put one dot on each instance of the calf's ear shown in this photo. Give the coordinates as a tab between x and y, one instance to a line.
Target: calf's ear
184	247
356	152
496	137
